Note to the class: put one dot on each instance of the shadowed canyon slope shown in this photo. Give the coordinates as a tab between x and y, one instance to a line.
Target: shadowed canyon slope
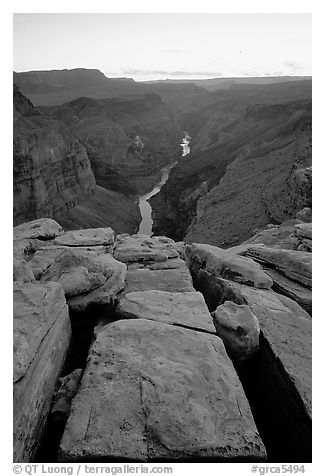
243	170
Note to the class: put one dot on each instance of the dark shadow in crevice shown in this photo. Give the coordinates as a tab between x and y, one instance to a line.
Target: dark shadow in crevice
82	326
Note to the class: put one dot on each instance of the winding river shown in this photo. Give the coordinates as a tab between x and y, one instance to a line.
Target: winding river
144	205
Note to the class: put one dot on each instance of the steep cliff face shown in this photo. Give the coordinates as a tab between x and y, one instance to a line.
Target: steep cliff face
250	173
53	176
104	208
127	140
52	171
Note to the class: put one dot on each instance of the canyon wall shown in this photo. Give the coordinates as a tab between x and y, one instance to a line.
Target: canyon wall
53	176
128	140
52	172
244	165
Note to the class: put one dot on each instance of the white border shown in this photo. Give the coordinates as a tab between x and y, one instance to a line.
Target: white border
167	6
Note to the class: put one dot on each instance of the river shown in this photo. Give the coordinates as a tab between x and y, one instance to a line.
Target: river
144	205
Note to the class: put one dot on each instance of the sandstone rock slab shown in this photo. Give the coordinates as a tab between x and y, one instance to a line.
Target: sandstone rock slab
228	265
43	228
173	280
41	339
296	265
87	237
152	391
186	309
86	278
46	256
142	248
238	328
291	289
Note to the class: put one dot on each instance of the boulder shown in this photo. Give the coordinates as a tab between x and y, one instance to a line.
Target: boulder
46	256
144	249
88	237
86	278
43	228
296	265
228	265
238	328
63	396
152	391
186	309
41	340
22	271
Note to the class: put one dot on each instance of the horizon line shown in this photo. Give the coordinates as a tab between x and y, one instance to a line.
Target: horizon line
265	75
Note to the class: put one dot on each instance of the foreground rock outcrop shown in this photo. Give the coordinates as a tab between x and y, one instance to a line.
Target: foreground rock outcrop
293	264
161	367
150	369
227	265
284	251
41	339
165	393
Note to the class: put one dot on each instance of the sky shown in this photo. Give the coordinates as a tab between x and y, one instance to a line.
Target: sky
148	46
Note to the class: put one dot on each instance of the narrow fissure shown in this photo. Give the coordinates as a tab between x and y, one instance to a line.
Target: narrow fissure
277	409
82	326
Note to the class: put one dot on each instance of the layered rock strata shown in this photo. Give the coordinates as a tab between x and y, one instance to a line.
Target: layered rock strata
52	172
